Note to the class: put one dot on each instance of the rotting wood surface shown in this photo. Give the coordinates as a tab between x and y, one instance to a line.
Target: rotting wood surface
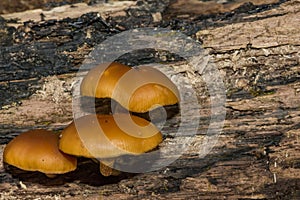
257	154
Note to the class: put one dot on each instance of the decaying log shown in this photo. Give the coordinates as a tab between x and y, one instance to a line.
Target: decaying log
254	45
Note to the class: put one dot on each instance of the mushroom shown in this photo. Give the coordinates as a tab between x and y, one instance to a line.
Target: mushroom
37	150
106	137
101	80
139	89
145	88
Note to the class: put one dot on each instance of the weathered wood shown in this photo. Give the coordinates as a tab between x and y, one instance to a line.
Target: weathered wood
41	48
256	48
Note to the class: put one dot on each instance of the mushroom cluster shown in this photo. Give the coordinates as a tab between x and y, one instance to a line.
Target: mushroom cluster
101	137
138	90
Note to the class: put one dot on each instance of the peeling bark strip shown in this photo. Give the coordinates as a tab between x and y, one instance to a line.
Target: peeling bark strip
254	45
188	8
19	5
71	11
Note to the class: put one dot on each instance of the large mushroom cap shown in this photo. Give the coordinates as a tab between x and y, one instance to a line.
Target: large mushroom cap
85	138
136	89
37	150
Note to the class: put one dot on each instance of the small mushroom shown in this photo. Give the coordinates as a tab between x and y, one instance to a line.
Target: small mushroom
106	137
101	80
139	89
37	150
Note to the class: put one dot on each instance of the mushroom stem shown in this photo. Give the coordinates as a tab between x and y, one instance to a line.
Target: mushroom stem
51	175
108	171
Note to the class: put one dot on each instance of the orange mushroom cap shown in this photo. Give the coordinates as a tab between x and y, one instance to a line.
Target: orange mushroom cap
37	150
101	80
145	88
84	137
